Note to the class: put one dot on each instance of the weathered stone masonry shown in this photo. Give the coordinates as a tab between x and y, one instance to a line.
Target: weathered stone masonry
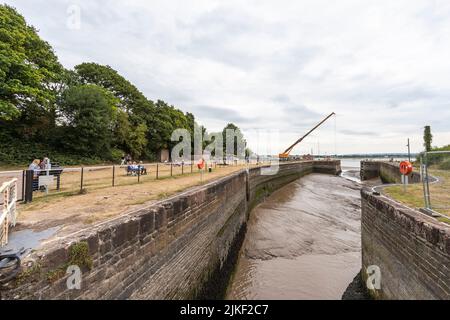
179	248
411	249
388	172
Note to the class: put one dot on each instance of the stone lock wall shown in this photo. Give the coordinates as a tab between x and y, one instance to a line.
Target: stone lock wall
388	172
411	249
180	248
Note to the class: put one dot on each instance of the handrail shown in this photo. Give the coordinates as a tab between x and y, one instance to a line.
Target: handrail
8	211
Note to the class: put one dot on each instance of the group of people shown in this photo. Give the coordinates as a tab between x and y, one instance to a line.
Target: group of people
133	168
40	164
136	169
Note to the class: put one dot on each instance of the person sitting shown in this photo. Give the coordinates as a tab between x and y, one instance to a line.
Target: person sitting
133	168
129	168
142	169
35	165
45	164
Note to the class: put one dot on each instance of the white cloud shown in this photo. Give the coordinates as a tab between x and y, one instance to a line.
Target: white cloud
382	66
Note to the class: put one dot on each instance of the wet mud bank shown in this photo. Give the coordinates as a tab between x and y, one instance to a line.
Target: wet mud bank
302	242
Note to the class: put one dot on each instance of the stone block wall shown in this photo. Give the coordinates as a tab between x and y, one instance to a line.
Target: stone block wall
389	172
179	248
411	249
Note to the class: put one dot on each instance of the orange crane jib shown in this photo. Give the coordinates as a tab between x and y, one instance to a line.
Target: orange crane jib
286	152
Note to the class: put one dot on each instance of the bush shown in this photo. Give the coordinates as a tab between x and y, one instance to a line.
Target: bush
116	154
21	153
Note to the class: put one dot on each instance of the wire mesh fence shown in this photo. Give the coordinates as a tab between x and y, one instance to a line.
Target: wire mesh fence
435	170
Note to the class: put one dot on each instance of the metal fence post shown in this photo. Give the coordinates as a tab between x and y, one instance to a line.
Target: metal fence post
171	169
139	174
29	186
23	185
157	171
114	173
82	176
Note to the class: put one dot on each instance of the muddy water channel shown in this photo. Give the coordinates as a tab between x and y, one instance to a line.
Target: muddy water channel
302	242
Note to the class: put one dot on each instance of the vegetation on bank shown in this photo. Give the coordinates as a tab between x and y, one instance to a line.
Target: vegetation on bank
439	166
413	197
87	115
440	161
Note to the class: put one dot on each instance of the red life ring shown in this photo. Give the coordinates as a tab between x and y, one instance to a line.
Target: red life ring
201	164
406	167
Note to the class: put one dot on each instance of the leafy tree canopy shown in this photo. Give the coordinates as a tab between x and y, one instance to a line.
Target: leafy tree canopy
88	111
28	68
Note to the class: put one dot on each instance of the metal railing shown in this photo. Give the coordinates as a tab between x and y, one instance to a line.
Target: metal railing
70	180
435	173
8	213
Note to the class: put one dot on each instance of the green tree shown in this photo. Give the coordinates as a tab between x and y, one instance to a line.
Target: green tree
239	142
88	111
427	138
28	71
130	139
136	115
131	100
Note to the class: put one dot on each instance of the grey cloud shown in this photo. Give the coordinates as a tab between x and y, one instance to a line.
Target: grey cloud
358	133
213	34
225	114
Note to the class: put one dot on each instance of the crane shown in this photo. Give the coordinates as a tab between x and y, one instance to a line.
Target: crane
285	154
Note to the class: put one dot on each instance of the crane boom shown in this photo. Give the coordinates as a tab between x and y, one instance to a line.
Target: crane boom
286	152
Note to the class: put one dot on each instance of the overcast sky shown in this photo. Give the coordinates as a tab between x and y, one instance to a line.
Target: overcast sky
382	66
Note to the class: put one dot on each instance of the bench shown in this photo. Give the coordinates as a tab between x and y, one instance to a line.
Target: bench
140	170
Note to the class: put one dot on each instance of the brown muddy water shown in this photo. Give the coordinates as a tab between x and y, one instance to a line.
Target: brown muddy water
303	242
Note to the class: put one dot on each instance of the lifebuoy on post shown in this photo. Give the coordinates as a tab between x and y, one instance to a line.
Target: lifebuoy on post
406	167
201	164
